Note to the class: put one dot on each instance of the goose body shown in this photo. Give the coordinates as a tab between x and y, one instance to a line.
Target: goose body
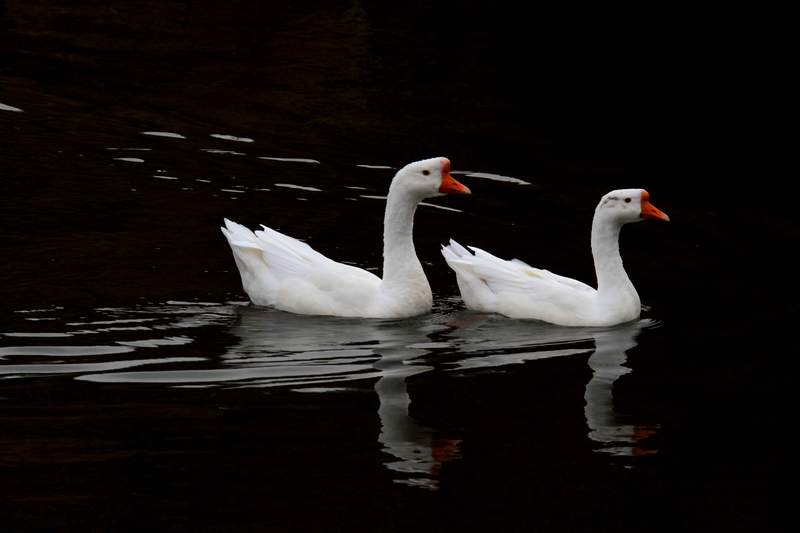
517	290
285	273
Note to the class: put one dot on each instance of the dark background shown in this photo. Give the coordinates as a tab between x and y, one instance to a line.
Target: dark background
676	100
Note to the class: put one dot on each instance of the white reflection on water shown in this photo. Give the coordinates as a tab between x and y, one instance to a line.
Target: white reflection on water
122	330
168	134
232	138
300	187
606	425
490	176
5	107
47	310
497	342
77	368
281	349
428	204
153	343
322	354
416	449
274	348
44	334
215	151
425	204
62	351
291	159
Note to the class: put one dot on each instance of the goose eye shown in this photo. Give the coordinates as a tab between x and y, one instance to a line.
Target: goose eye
426	172
627	200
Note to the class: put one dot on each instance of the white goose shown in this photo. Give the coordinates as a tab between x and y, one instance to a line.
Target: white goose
288	274
517	290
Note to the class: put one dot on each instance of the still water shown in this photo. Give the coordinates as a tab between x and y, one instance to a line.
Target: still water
140	390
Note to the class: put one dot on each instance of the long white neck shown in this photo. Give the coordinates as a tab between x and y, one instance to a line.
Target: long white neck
611	275
401	267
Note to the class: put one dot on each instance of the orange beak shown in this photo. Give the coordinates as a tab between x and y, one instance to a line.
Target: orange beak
651	211
449	184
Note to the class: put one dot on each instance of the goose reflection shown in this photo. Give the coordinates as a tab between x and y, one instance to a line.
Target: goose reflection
317	354
606	426
272	348
310	350
494	341
416	448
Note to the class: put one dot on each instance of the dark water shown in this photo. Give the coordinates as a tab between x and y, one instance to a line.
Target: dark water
138	389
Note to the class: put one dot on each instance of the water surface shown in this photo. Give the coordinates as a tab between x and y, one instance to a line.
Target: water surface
140	390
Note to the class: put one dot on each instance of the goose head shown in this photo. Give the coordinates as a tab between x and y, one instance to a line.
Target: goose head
427	178
628	205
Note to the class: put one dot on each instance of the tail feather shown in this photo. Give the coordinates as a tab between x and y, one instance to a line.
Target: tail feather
449	254
239	243
457	257
249	256
475	292
277	253
239	235
457	249
294	248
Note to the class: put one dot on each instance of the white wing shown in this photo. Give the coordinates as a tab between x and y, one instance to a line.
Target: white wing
282	271
514	288
502	274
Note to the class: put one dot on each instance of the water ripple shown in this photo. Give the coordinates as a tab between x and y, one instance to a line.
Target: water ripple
231	138
490	176
168	134
291	159
267	348
63	351
301	187
5	107
215	151
79	368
